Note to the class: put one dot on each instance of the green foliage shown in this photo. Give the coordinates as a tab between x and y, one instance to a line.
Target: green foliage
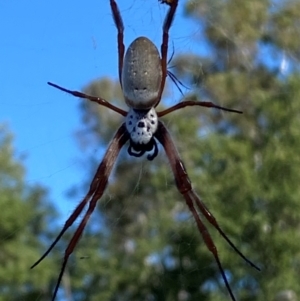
23	217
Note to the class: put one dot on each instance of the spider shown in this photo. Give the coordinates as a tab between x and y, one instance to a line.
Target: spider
142	76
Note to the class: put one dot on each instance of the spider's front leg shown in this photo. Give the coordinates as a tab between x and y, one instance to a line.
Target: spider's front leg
165	41
120	27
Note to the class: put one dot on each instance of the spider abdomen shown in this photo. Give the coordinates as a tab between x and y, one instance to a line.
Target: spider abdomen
141	74
141	125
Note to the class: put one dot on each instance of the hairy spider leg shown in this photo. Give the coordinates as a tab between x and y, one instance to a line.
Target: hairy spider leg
184	186
96	99
164	46
164	55
95	192
188	103
120	28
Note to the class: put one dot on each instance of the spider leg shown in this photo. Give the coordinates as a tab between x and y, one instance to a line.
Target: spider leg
176	81
168	2
208	215
192	199
189	103
165	41
120	27
98	100
206	236
95	192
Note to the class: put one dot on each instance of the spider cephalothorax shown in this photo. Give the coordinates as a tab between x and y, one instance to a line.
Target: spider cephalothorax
142	75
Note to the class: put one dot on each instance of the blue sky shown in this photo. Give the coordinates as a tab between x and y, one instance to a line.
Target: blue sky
68	45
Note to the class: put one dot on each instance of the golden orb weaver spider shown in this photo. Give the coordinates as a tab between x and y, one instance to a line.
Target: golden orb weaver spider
142	76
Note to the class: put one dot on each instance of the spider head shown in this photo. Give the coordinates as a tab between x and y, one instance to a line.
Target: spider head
141	126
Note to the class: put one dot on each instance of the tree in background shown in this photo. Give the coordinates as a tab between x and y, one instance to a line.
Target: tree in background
24	217
246	168
142	243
